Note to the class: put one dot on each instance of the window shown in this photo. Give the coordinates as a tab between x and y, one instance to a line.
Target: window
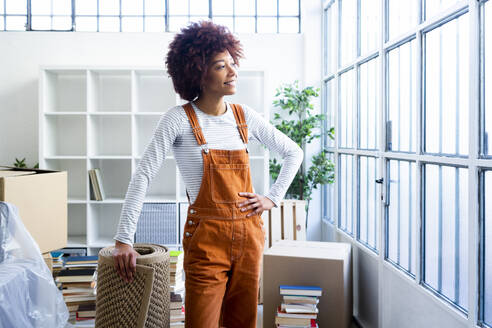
369	105
347	194
446	232
487	247
402	105
401	218
347	109
408	73
446	88
245	16
367	231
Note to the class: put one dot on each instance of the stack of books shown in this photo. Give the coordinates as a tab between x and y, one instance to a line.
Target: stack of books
97	191
57	262
78	285
299	306
176	287
177	310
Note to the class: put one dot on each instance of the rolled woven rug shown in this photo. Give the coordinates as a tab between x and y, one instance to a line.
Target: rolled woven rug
142	303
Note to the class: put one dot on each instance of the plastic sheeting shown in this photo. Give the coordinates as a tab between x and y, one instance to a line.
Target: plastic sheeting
28	294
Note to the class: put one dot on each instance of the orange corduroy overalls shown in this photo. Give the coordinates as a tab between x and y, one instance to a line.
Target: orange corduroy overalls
223	248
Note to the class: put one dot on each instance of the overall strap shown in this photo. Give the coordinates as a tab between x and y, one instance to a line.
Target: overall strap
241	122
197	130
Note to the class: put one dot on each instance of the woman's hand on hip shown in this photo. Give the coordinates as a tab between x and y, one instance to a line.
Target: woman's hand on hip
125	260
255	201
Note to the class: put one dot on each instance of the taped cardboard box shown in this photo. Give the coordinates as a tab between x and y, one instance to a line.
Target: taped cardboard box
41	197
48	259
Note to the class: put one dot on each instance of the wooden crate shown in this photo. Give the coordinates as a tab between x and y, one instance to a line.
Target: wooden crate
287	222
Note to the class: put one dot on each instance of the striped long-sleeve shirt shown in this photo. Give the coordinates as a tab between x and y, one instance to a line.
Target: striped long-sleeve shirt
174	133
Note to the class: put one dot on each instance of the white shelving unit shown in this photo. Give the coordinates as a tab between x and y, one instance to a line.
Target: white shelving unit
104	117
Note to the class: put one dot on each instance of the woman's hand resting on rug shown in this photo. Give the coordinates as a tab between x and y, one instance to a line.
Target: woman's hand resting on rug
255	201
125	260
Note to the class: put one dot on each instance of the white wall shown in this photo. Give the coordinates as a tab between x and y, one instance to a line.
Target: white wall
283	56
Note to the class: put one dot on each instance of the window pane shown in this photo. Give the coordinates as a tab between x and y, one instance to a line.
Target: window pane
41	22
40	7
330	41
176	23
346	193
433	7
109	7
109	24
86	7
267	25
346	110
330	197
445	231
329	110
62	7
369	15
62	23
488	248
488	75
244	7
267	7
15	7
446	88
132	24
401	216
402	106
86	24
288	8
348	27
2	26
225	21
222	7
369	105
402	16
288	25
198	7
132	7
2	8
245	25
369	208
156	7
179	7
155	24
16	23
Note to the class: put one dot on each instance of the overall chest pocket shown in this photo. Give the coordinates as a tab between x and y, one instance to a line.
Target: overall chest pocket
227	180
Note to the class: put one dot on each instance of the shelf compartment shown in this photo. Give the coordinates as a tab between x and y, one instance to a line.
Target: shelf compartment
115	175
65	91
154	91
250	90
110	135
65	135
163	186
77	227
76	175
145	127
110	91
104	219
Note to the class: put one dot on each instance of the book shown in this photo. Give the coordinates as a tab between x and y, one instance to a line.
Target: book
282	314
293	321
81	259
94	192
99	180
300	299
80	275
299	308
300	290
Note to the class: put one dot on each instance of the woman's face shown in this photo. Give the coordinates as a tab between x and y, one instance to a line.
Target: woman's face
221	77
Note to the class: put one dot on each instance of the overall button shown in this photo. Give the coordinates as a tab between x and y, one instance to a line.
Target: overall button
190	222
192	211
187	234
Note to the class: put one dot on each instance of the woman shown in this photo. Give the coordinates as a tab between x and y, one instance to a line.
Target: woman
224	238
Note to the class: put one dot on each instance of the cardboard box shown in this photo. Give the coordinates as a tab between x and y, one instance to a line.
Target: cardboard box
41	197
49	261
310	263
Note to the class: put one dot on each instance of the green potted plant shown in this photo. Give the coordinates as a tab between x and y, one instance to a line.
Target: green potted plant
22	163
301	129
